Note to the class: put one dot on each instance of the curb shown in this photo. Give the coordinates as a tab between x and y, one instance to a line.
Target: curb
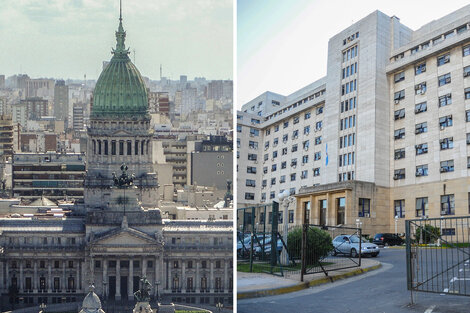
305	285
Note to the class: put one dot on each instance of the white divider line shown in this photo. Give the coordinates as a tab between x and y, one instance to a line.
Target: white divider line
430	309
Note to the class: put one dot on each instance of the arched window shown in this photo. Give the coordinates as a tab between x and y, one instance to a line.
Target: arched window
113	147
121	147
129	147
99	147
136	147
142	148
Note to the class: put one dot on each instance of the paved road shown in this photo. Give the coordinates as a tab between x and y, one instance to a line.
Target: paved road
380	291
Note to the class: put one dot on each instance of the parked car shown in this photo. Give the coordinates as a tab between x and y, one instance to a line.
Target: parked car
387	239
349	245
267	248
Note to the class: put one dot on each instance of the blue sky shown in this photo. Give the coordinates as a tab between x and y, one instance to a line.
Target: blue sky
282	45
68	38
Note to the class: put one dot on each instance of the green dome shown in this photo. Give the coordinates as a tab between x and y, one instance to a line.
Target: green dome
120	90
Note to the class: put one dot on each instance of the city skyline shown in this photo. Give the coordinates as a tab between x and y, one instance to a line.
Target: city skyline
69	39
281	47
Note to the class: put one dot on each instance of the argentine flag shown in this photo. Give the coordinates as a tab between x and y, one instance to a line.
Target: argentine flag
326	152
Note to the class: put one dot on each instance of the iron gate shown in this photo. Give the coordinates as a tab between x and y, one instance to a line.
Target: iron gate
438	255
321	253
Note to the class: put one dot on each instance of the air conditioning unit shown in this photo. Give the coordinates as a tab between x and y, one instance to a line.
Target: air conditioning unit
306	148
256	162
272	159
366	215
397	101
294	166
252	135
303	163
396	177
442	127
466	74
443	170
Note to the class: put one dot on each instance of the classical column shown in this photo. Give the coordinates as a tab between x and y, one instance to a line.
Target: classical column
84	275
225	285
7	280
197	283
183	276
49	276
144	267
2	286
35	277
118	280
21	276
156	267
105	278
64	279
78	280
211	281
130	281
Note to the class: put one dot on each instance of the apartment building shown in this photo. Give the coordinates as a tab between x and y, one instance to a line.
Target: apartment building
53	175
386	133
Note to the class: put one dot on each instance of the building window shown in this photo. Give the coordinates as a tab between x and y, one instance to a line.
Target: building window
399	174
448	231
447	205
251	170
444	79
286	124
249	196
316	171
445	121
294	148
292	177
421	107
421	148
273	167
274	154
252	157
319	110
253	145
364	207
399	133
318	140
466	50
399	114
468	162
121	147
467	93
399	95
283	165
445	100
443	59
447	166
113	147
340	210
273	181
105	143
467	115
254	132
304	174
250	183
399	77
399	154
399	208
307	115
306	130
317	156
295	134
421	128
466	71
420	68
422	207
420	89
291	216
282	179
422	170
318	125
446	143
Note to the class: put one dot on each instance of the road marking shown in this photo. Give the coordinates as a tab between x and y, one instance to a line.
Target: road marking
430	309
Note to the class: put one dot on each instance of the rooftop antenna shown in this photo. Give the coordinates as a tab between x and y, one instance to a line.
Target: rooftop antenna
160	71
134	56
120	10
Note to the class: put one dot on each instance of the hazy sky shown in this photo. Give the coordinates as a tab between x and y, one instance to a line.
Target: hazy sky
70	38
282	45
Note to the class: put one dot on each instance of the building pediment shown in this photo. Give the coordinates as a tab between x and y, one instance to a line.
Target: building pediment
123	237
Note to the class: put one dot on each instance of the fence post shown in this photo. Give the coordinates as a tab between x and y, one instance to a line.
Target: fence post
275	217
303	251
251	252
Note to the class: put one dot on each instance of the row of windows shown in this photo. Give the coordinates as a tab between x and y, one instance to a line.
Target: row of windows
295	120
425	45
347	141
348	87
294	148
445	143
422	170
272	194
43	263
447	206
347	122
348	104
346	176
350	53
349	70
346	159
298	103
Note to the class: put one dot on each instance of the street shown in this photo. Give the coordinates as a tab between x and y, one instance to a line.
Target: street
380	291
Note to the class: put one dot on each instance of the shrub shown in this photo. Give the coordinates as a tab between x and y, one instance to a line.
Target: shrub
430	234
319	243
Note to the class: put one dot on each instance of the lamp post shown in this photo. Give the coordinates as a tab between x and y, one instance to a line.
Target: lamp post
43	307
157	283
286	200
219	306
104	294
396	224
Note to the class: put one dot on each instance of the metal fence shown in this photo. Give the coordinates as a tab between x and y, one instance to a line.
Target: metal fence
270	242
438	255
330	248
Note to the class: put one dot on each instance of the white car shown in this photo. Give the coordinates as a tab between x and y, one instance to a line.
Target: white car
349	245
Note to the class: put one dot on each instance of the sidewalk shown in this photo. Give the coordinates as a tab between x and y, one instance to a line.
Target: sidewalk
253	285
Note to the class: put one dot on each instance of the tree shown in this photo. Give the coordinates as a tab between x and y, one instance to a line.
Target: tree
430	234
318	244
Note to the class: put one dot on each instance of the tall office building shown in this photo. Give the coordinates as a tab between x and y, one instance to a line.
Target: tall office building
61	100
383	136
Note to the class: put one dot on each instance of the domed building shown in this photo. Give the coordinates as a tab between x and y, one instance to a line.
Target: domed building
121	236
